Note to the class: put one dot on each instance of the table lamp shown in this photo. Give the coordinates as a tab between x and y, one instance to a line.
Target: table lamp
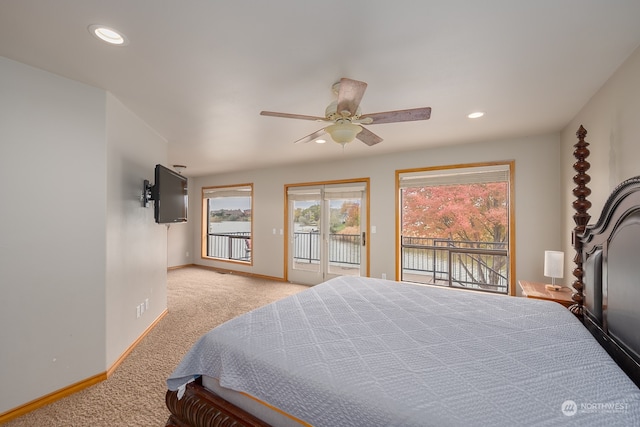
554	265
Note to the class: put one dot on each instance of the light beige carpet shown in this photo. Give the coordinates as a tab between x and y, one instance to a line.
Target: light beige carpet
198	300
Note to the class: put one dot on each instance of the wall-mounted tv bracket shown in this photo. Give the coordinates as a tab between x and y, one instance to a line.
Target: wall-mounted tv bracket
147	194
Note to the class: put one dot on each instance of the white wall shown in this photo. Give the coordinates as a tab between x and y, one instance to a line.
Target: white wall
537	165
76	249
612	120
52	244
136	245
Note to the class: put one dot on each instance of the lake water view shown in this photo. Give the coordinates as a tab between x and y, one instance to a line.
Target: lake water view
230	227
245	227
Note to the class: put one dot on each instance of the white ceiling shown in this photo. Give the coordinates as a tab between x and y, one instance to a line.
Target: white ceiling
200	71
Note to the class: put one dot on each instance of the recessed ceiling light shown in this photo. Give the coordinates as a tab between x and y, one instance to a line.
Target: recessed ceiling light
320	141
108	35
476	115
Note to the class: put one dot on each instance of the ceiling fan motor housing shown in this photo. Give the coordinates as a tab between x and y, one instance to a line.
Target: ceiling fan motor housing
331	113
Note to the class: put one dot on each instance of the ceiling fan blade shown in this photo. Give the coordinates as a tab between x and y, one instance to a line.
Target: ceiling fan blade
293	116
311	137
368	137
398	116
350	95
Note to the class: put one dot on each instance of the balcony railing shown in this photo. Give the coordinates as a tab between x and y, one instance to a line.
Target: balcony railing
461	264
344	249
234	246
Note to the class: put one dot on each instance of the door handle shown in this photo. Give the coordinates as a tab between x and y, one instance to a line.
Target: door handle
364	238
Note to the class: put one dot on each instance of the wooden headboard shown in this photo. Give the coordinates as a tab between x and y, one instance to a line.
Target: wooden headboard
607	272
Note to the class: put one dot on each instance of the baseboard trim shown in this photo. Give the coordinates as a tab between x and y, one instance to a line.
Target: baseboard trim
239	273
176	267
51	397
79	386
146	332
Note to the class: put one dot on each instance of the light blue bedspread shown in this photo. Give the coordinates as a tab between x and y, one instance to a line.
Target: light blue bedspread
372	352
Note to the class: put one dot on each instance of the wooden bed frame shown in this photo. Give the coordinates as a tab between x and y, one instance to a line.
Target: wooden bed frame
201	408
607	272
607	294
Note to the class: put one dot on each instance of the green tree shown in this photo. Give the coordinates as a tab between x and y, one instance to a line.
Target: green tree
307	216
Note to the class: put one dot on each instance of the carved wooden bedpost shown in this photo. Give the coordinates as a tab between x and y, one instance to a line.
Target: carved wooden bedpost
581	217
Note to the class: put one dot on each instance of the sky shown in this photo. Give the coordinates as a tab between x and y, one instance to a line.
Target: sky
231	203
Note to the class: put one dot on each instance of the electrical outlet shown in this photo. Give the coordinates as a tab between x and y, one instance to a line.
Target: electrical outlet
137	311
384	275
146	304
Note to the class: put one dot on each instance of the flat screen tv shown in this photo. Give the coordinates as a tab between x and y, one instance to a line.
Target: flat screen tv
169	195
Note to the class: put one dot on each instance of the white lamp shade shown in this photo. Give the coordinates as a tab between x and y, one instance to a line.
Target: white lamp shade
554	264
343	132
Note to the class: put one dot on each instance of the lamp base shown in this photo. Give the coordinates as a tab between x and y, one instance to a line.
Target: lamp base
553	287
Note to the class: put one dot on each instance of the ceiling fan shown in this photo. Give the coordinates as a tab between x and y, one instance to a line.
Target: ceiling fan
347	120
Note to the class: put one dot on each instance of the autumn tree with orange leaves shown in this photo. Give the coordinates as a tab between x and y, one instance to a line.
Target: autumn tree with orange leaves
463	212
468	215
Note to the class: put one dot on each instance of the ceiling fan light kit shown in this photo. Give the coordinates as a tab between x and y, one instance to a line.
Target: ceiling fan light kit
345	115
343	132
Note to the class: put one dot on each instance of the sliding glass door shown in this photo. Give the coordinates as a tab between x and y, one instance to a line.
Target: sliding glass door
327	231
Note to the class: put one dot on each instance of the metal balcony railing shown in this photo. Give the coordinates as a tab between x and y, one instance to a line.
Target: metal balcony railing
234	246
344	249
461	264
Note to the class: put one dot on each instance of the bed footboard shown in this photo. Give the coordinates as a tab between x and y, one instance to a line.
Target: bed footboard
201	408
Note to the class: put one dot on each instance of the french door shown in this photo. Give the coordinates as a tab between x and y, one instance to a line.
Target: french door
326	231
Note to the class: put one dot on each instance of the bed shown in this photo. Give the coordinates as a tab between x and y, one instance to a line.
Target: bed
364	351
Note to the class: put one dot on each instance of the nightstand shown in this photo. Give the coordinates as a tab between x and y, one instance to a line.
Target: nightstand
538	291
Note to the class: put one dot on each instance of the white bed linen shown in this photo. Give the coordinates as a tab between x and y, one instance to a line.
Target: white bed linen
372	352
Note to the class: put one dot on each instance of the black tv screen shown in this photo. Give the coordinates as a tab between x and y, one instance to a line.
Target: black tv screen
169	194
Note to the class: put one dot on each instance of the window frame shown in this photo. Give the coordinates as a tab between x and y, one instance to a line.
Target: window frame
232	190
510	164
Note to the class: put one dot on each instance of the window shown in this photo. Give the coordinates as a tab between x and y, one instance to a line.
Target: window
227	223
455	226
